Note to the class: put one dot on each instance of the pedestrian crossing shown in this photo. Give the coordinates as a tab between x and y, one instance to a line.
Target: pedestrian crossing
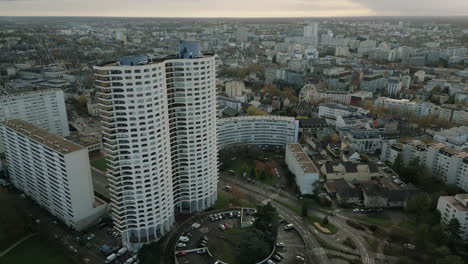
368	260
319	251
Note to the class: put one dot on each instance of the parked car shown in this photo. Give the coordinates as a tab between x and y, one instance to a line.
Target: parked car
288	227
222	227
181	254
183	239
110	258
122	251
181	245
90	237
201	251
280	244
300	258
276	258
130	260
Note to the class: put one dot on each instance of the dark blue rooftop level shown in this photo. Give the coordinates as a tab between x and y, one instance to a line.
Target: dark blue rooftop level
189	49
134	60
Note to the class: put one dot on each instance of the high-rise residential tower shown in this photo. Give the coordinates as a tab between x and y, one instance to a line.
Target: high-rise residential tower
159	132
311	35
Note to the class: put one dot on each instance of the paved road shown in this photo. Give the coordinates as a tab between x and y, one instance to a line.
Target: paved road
313	248
305	229
16	244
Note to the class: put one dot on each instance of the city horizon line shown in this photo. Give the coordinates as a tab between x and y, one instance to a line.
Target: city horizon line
251	17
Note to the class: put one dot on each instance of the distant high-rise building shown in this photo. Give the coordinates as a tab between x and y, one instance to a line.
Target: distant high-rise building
53	171
235	88
242	34
311	34
159	132
43	108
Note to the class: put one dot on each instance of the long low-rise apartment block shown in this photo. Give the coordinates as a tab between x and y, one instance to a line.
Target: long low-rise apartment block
446	164
53	171
257	130
302	167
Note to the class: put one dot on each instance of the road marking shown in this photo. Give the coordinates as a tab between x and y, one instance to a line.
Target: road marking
319	251
204	230
367	260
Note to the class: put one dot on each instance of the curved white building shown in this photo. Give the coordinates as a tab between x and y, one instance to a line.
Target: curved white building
257	130
159	131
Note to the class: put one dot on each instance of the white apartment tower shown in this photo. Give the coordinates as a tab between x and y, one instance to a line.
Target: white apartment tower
159	132
53	171
311	35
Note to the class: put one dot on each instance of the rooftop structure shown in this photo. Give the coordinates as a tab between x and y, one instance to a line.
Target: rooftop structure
41	136
302	167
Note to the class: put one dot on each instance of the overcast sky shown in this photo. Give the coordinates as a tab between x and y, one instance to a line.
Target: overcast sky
233	8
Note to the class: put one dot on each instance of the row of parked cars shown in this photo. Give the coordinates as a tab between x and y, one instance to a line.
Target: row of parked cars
121	253
221	216
113	232
367	210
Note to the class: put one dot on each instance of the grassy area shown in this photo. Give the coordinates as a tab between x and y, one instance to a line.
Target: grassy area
312	218
100	164
242	165
393	251
380	220
327	245
235	231
239	166
349	243
35	251
319	220
291	207
311	203
13	223
229	255
226	200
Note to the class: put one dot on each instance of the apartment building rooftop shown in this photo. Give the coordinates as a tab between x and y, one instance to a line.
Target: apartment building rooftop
264	117
302	158
349	108
458	201
41	136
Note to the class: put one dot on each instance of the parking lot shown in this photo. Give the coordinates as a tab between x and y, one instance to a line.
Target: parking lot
103	236
220	238
209	235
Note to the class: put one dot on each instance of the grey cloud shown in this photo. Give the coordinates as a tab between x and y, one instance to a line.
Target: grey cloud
416	7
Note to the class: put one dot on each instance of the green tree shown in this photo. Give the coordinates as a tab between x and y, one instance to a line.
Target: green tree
325	221
440	252
254	247
304	210
252	173
419	204
266	220
150	253
452	259
398	164
454	229
254	111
